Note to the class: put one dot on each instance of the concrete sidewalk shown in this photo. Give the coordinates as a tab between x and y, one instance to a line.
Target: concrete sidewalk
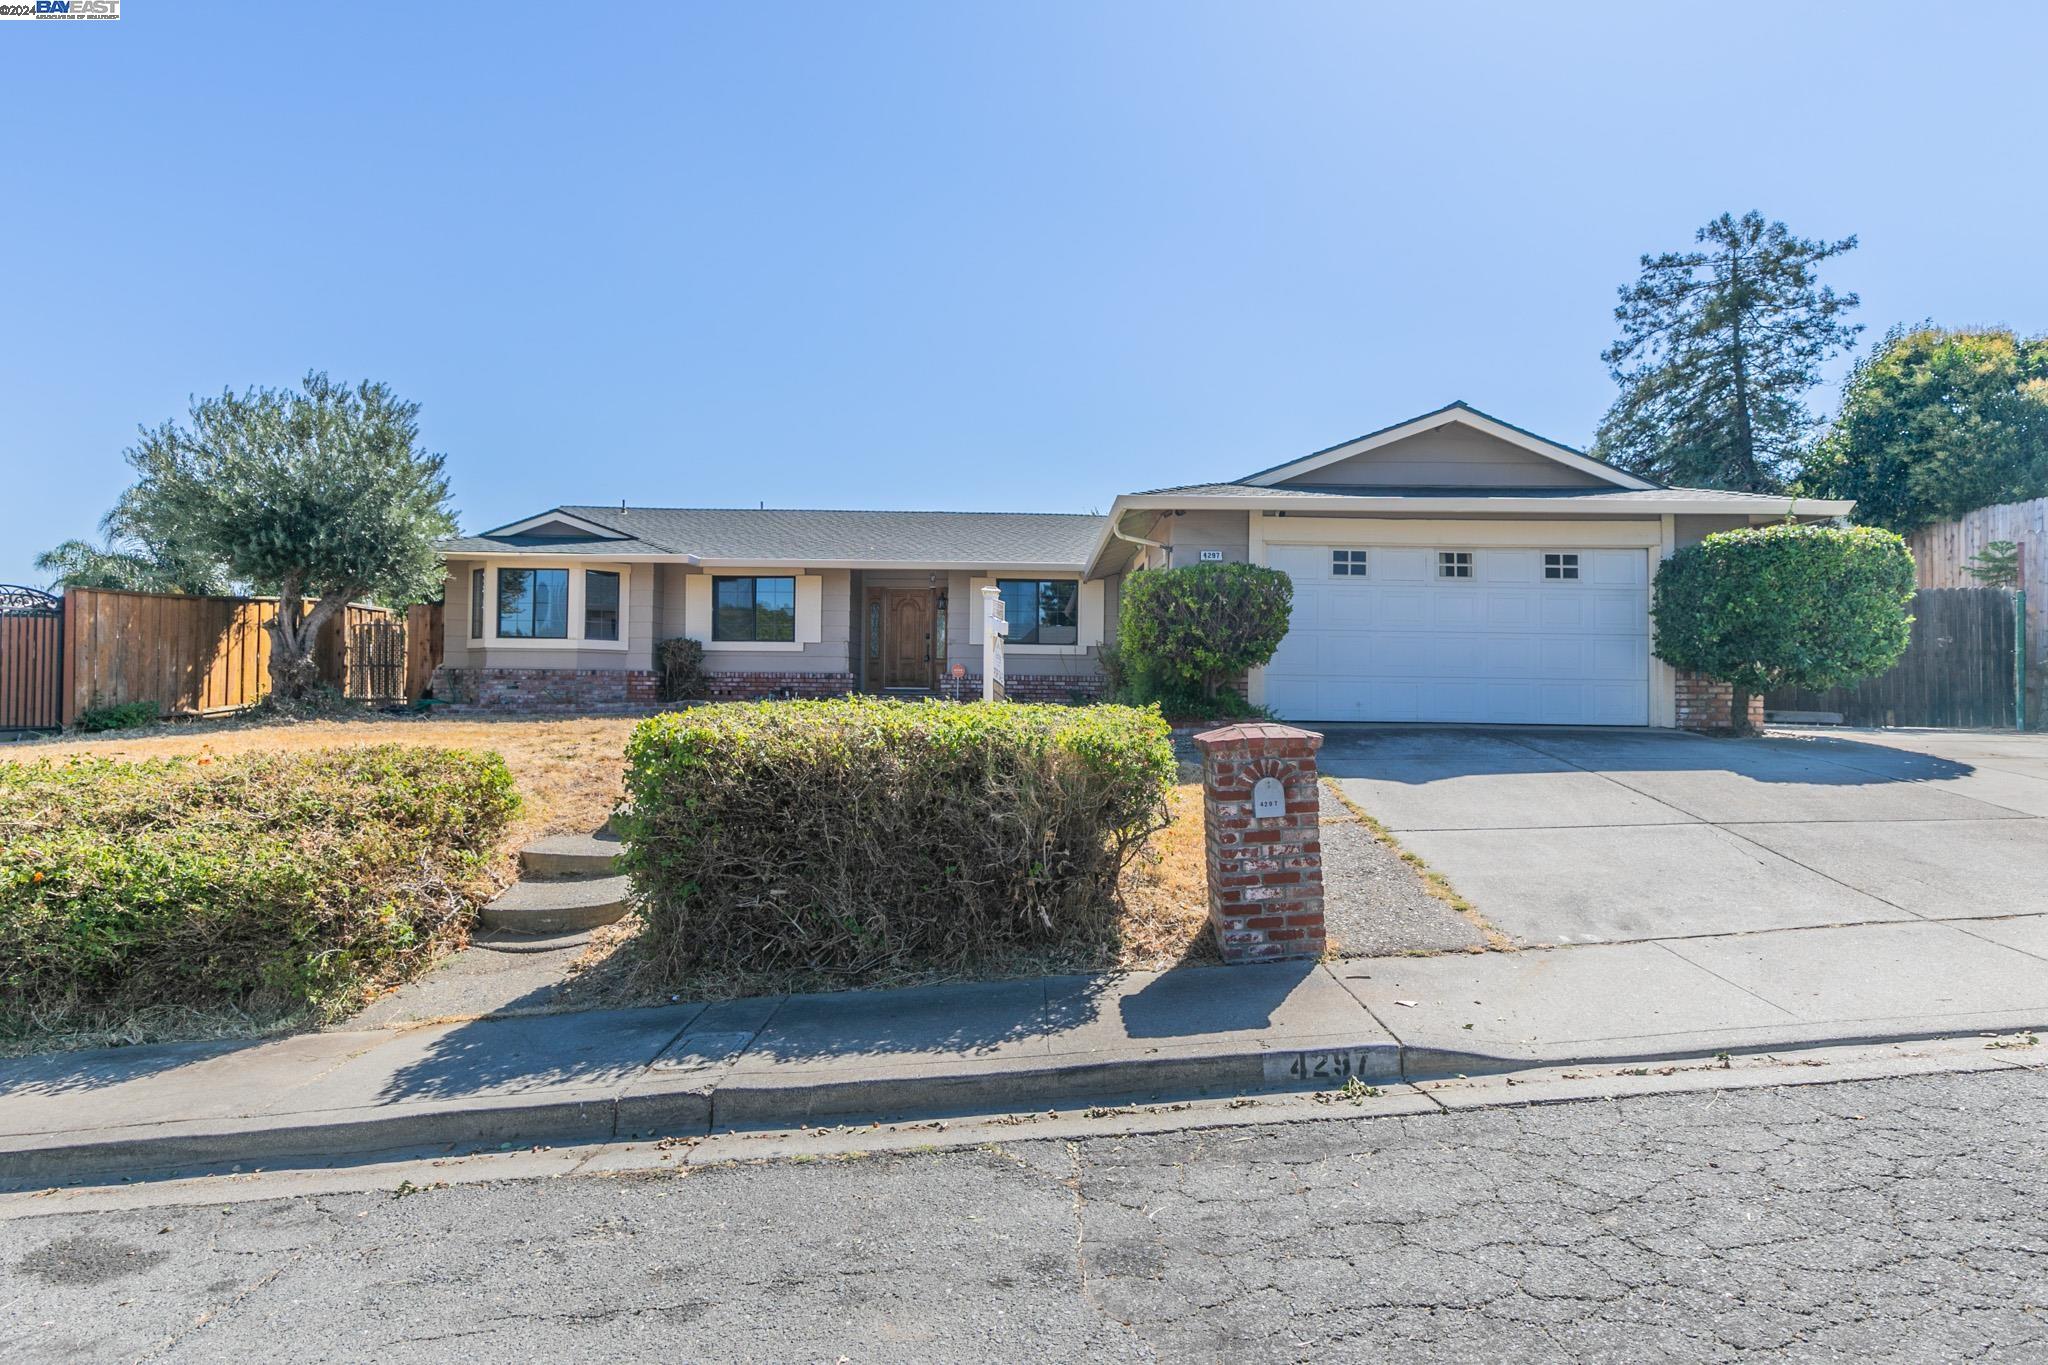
1005	1046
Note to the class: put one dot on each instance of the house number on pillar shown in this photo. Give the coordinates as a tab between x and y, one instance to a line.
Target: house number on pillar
1269	799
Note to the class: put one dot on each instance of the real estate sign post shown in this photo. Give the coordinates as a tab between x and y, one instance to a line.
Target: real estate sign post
995	624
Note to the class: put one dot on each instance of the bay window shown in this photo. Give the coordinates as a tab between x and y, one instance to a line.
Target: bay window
533	604
600	604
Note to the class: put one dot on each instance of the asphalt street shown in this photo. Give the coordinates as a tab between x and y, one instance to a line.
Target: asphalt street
1903	1219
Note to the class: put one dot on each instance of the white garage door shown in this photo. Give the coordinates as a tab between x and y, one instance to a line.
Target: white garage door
1545	636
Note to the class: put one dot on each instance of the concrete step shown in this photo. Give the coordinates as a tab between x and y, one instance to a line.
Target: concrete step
569	855
498	941
557	907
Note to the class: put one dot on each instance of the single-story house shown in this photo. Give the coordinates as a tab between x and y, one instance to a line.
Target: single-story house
1449	568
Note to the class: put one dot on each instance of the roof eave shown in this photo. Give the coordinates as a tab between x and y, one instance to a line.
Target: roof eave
1593	504
1597	502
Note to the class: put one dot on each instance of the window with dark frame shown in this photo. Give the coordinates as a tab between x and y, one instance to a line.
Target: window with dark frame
476	604
1561	567
1347	563
754	610
1453	563
1041	611
533	604
600	604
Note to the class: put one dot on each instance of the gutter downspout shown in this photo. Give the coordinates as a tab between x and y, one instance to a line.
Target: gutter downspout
1116	529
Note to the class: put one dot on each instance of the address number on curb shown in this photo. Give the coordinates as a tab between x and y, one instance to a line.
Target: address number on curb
1318	1068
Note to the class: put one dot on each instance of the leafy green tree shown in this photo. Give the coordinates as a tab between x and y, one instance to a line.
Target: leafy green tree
1785	606
1189	631
1935	423
127	560
1718	347
117	565
324	494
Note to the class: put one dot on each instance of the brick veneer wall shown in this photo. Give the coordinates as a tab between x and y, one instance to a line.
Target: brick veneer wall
1705	704
537	688
763	686
1265	876
1031	687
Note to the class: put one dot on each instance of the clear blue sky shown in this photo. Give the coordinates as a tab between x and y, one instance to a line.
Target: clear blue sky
950	255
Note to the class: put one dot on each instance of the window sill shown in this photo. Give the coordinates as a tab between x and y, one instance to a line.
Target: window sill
752	646
1076	651
509	642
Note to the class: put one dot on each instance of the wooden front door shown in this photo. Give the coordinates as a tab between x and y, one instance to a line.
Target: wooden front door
907	639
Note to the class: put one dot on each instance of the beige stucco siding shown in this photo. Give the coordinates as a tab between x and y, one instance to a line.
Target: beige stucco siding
1692	530
1190	533
1448	457
636	651
829	653
455	616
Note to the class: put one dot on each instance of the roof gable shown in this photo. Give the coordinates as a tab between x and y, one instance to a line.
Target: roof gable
1454	447
559	524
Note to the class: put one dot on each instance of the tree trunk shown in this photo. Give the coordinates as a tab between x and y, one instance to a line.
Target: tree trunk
1738	710
294	672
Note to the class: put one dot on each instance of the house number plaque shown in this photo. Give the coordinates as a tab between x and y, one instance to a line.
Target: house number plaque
1269	799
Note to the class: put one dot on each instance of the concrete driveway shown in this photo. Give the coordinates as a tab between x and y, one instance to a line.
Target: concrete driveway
1586	836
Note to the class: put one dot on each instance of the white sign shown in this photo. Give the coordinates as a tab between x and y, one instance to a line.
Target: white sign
1269	799
995	624
1212	556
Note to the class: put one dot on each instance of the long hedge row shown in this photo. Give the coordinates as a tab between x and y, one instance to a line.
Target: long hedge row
272	881
843	836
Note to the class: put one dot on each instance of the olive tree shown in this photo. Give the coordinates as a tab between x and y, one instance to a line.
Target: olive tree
1189	631
322	494
1785	606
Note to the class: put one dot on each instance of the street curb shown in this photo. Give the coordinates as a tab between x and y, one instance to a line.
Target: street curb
701	1101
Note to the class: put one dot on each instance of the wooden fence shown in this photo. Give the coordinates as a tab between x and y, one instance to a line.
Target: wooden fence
1957	670
200	655
1943	552
423	641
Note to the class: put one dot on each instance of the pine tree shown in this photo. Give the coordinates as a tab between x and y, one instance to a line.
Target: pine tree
1718	347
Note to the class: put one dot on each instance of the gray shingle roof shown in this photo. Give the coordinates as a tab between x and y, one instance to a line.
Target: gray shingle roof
799	537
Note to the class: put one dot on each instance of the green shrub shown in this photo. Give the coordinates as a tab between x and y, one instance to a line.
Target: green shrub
273	883
1785	606
118	716
1188	632
848	836
682	669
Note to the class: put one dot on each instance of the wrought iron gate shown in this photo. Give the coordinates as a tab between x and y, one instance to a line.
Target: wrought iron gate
31	659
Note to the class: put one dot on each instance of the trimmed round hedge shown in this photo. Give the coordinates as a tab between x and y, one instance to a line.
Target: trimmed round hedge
1184	634
268	882
1786	606
851	835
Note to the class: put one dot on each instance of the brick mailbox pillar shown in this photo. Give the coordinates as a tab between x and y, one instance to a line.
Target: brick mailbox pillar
1261	811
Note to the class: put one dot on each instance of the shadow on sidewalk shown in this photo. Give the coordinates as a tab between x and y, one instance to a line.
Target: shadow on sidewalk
63	1073
1195	1001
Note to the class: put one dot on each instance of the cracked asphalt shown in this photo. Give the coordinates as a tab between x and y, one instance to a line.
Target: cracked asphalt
1903	1219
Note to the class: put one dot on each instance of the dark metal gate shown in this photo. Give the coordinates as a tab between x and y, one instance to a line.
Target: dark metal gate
1957	671
31	659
